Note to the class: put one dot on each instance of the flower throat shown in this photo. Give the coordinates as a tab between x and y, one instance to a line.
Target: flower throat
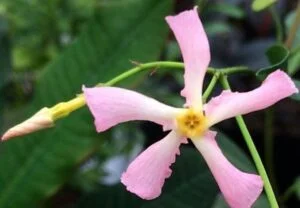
191	123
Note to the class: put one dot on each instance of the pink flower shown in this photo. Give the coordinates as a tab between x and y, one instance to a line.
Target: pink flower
145	176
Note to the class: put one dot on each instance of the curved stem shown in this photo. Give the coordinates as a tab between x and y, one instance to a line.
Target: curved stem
253	151
174	65
210	86
141	67
236	70
65	108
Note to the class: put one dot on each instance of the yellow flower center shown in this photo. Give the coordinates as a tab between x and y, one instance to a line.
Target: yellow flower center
191	123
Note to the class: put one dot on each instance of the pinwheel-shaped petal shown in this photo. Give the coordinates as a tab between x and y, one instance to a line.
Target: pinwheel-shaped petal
155	164
145	176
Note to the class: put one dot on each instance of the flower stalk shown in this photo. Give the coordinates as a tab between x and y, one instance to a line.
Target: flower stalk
210	86
78	102
63	109
253	151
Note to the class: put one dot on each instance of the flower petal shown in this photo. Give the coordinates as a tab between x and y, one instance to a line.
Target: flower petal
239	189
278	85
194	46
146	175
112	105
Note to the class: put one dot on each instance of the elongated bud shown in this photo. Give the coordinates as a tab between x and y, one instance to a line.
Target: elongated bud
41	120
45	118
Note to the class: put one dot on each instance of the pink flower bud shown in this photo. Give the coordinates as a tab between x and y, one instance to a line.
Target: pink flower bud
42	119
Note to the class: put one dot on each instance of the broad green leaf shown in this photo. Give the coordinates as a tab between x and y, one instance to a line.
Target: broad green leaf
36	166
296	96
258	5
227	9
49	28
191	183
5	66
278	57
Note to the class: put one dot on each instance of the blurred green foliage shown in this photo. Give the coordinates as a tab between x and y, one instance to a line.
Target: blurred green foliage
259	5
278	59
296	96
190	185
39	31
37	165
4	53
69	43
229	10
289	20
294	60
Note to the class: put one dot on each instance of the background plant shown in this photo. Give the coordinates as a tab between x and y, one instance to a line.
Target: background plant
48	50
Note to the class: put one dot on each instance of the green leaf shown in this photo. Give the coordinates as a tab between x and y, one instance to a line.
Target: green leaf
5	65
278	57
294	63
258	5
217	28
36	166
191	183
227	9
296	96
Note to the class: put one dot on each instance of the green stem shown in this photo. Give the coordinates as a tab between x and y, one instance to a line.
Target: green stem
171	64
269	144
210	86
141	67
65	108
276	18
253	151
236	69
293	30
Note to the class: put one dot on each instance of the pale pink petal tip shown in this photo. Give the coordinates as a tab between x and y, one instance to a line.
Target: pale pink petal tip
244	192
112	105
239	189
41	120
277	86
194	46
281	77
146	175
